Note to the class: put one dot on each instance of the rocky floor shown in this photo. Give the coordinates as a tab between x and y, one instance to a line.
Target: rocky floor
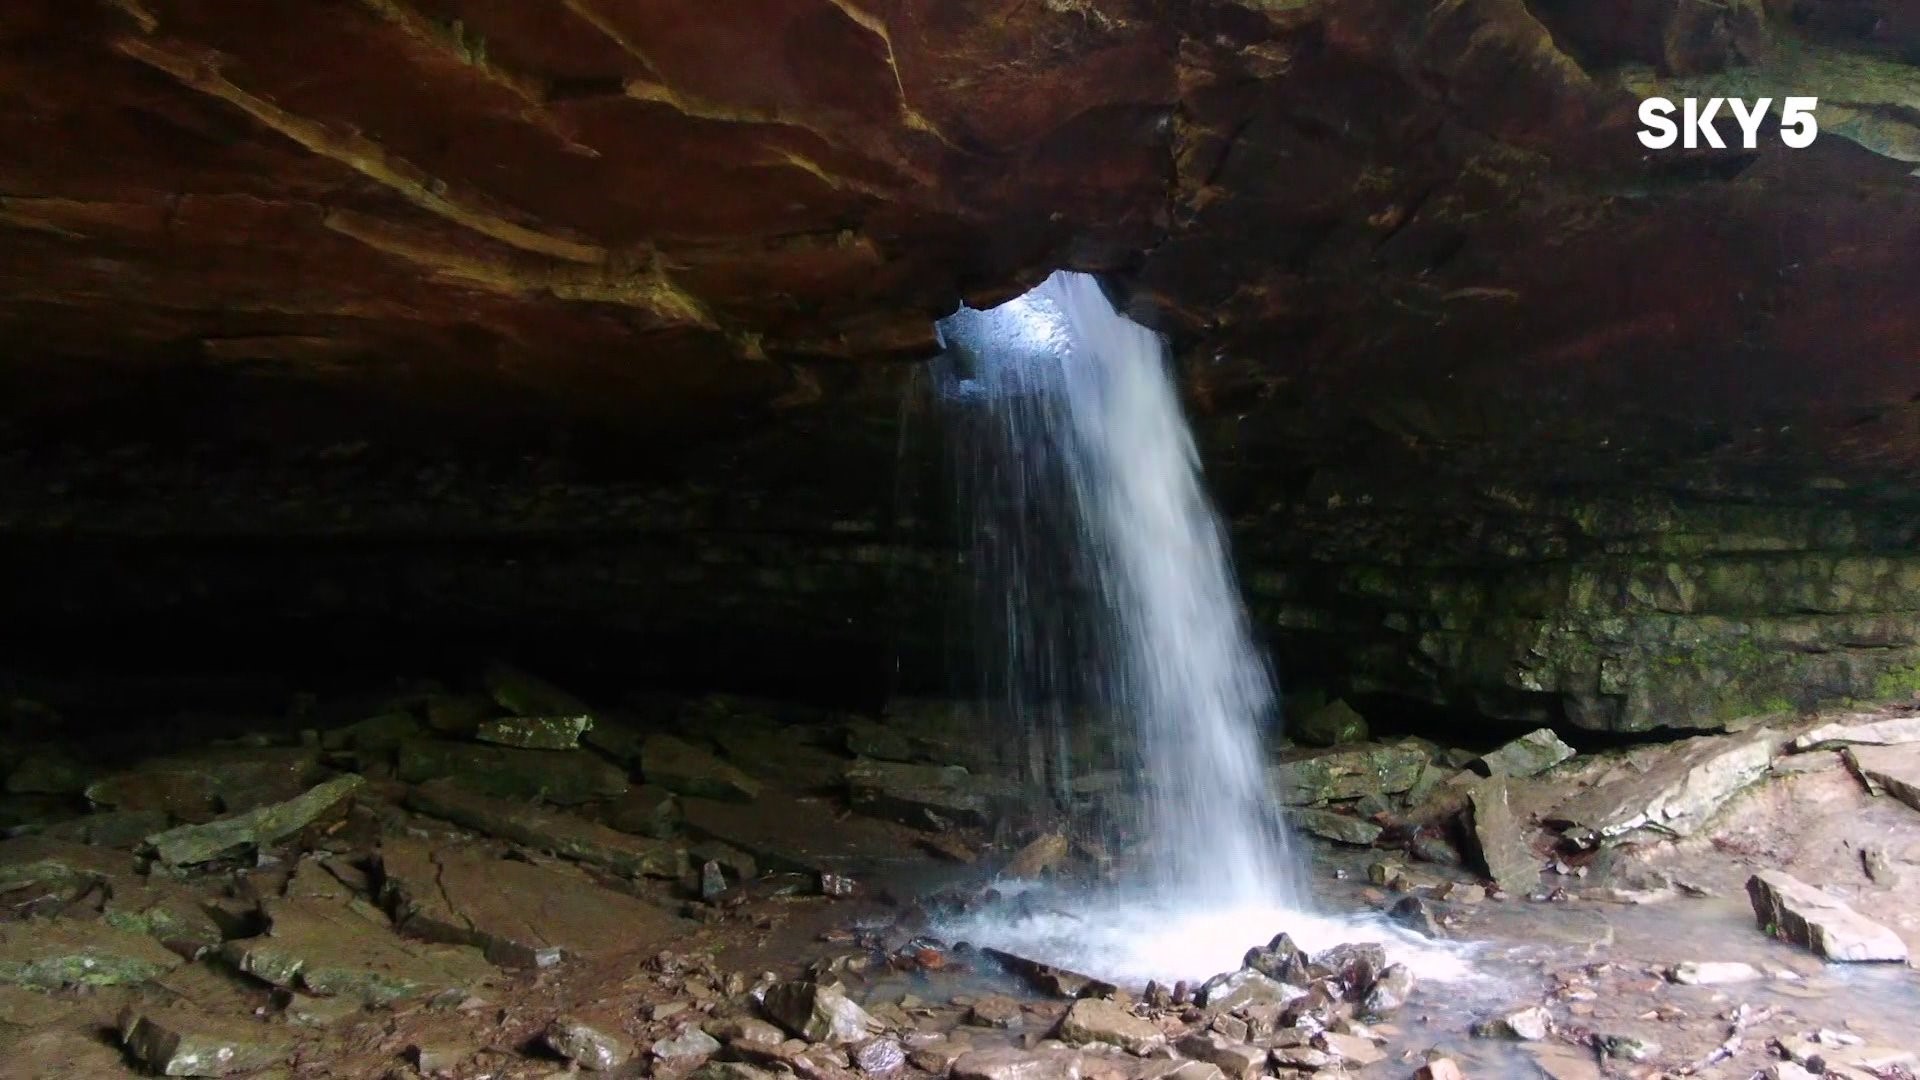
504	881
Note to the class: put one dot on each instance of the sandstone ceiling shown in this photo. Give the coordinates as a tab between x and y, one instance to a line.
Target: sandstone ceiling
1426	217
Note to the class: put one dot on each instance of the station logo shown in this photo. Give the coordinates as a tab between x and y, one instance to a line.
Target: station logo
1695	128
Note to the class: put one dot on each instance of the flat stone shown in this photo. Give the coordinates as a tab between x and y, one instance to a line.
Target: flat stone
1102	1020
1501	847
1863	730
1352	1049
1893	769
1049	979
556	776
44	862
818	1013
52	954
1794	911
320	1012
921	795
556	833
517	913
1235	1059
188	845
1340	828
596	1047
679	766
646	810
109	828
535	732
799	835
182	1042
1006	1063
1529	755
995	1011
348	951
1346	772
165	912
690	1044
1680	789
1713	973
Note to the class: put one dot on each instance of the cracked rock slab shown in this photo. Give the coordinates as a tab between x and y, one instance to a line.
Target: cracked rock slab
556	833
347	950
517	913
181	1042
53	954
1892	769
1862	731
1677	792
189	845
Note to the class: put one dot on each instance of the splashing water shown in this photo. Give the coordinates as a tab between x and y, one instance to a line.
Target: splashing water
1105	579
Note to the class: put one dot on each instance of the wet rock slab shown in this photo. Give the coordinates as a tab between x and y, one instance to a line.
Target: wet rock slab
517	913
1099	1020
559	776
192	844
1862	731
1792	910
183	1042
53	954
555	833
1340	828
348	950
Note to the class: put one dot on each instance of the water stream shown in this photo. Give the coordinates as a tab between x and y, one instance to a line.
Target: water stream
1105	583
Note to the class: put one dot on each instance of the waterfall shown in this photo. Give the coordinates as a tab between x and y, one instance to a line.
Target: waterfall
1106	581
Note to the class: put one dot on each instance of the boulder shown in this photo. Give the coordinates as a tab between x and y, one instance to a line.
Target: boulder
1102	1020
189	845
1389	993
1794	911
1676	789
185	1042
1501	848
517	913
689	1045
1238	989
535	732
1347	772
1329	725
818	1013
556	776
1339	828
556	833
1528	755
679	766
596	1047
1532	1024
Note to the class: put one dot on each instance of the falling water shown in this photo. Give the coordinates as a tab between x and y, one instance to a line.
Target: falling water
1105	584
1109	575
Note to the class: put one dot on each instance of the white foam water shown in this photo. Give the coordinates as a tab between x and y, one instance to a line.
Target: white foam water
1106	579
